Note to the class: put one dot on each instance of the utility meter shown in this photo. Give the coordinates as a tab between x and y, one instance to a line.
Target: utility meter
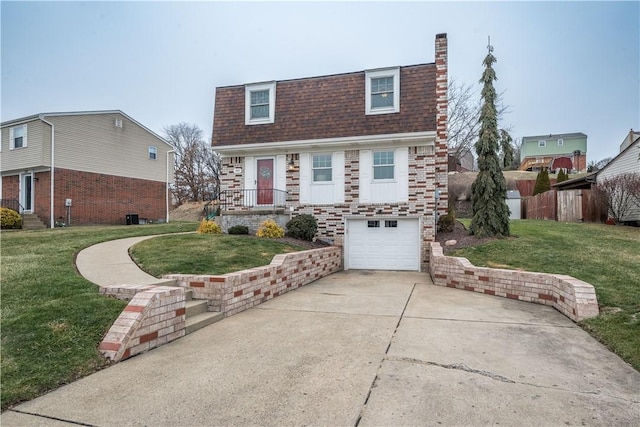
67	202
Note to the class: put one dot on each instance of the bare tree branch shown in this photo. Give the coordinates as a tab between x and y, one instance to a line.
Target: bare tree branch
197	168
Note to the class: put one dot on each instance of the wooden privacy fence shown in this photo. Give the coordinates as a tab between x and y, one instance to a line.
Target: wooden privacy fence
565	206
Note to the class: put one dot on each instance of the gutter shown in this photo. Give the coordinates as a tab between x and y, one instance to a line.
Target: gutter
167	184
53	170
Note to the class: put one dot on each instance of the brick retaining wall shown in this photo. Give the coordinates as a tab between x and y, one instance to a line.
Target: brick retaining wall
572	297
235	292
153	317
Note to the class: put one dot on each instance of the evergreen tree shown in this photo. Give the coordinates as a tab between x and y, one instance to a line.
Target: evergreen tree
489	190
562	176
542	182
506	148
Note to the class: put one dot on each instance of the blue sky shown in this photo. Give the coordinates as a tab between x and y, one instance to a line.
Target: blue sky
564	66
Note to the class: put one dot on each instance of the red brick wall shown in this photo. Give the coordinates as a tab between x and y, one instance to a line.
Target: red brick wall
96	198
327	107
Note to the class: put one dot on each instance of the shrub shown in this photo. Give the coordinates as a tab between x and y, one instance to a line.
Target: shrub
10	218
302	227
542	182
446	222
270	230
239	229
209	227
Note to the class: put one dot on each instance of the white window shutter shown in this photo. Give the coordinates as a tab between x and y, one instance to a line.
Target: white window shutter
12	144
402	169
281	172
249	173
365	176
338	176
305	179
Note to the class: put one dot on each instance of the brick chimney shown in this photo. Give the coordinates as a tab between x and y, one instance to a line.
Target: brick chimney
441	122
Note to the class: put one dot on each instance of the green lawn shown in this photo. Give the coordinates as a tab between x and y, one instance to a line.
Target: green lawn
608	257
205	253
53	320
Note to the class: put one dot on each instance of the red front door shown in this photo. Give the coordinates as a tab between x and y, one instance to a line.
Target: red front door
265	181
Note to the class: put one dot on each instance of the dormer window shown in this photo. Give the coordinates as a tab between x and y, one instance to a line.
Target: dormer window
382	91
260	100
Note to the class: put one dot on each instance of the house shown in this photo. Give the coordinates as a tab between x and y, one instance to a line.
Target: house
365	153
567	151
627	161
461	162
86	167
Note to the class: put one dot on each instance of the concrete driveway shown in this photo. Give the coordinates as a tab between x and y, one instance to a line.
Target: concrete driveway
362	348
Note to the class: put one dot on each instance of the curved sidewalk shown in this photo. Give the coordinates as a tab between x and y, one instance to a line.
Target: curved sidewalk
109	263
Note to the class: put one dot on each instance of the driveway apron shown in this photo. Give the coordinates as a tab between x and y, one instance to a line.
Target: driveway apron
361	348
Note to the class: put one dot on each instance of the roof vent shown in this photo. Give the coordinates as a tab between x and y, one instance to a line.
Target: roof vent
118	123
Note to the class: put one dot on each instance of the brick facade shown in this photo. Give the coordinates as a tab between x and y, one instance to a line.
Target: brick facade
96	198
572	297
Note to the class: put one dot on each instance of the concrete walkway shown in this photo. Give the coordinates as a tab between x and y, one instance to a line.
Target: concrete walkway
361	348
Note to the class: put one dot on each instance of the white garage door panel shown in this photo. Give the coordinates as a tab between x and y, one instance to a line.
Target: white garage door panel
383	248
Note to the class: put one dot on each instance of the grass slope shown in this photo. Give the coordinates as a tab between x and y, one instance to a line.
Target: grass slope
605	256
52	319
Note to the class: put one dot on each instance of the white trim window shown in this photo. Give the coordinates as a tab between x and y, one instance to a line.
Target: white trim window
383	165
322	171
560	142
542	143
260	101
382	90
153	152
18	137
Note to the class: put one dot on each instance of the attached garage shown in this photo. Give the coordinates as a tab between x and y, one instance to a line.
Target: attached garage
382	244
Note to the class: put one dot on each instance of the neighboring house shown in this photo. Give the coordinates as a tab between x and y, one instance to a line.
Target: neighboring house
107	168
365	153
461	162
567	151
627	161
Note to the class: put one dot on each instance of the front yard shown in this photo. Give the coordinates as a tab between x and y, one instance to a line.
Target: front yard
608	257
52	319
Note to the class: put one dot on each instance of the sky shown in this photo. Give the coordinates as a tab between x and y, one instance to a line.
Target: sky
564	67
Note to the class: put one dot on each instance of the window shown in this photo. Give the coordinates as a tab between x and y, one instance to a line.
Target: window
322	171
560	142
382	91
18	137
153	152
373	224
260	103
391	224
383	165
542	143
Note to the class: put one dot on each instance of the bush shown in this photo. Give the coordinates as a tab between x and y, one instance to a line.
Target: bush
270	230
239	229
447	222
542	182
302	227
209	227
10	218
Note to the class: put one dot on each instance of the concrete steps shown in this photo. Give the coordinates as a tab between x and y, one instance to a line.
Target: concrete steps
32	222
197	314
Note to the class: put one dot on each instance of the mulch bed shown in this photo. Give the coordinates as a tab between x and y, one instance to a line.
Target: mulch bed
462	237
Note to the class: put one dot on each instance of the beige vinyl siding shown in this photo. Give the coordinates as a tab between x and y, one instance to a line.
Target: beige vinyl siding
93	143
33	156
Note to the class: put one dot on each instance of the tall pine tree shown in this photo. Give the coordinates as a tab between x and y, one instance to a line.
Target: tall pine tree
489	190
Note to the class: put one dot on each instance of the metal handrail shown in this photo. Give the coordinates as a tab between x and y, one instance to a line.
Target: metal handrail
253	198
12	204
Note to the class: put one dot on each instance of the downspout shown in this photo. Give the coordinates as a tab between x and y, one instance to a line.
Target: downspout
53	144
167	184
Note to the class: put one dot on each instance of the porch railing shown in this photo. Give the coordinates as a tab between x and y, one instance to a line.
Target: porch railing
11	204
253	198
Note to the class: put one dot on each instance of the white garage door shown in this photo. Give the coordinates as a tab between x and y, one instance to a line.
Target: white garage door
383	244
